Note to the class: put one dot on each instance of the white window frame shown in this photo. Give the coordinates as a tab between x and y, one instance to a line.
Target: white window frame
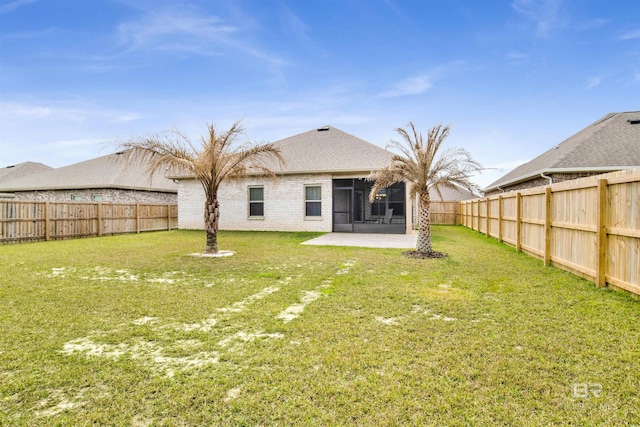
306	201
250	202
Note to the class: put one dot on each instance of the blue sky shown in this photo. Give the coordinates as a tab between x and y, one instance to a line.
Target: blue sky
513	77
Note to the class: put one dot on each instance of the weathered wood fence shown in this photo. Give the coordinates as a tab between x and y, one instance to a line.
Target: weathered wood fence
24	221
589	226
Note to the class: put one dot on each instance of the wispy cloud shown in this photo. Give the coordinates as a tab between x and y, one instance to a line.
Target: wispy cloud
517	58
409	86
64	112
73	144
593	82
544	13
506	166
187	30
172	30
11	6
30	34
128	118
630	35
293	24
422	82
28	111
591	24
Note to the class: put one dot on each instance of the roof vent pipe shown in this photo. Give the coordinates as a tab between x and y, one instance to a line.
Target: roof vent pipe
547	177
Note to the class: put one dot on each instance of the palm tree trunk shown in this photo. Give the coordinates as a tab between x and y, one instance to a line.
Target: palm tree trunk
211	217
424	231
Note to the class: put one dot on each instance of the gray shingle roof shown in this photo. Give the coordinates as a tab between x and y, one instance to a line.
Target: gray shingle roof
323	150
449	195
609	144
21	170
111	171
330	150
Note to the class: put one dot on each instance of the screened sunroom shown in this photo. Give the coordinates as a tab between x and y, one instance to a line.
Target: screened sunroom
353	212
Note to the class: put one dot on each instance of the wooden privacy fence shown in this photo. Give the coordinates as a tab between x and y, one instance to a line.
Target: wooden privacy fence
446	213
443	213
588	226
23	221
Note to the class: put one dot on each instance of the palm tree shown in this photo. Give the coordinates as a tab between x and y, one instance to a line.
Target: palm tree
215	160
421	168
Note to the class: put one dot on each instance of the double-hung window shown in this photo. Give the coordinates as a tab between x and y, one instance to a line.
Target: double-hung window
312	200
256	201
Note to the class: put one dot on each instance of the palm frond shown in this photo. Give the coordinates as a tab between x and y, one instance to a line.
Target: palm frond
217	158
424	165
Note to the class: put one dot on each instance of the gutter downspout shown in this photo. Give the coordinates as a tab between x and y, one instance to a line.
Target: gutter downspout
499	189
546	177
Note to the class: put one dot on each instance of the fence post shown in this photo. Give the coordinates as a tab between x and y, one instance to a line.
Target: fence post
463	210
518	221
47	233
456	212
476	221
99	208
547	226
500	219
601	236
466	214
137	217
486	201
168	216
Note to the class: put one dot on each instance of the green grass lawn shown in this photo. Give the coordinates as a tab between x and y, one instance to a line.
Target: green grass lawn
130	330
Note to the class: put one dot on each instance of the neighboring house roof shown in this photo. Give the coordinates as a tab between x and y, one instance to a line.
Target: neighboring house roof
449	195
111	171
21	170
609	144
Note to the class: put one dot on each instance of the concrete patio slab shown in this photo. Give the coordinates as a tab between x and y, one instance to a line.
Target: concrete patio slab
366	240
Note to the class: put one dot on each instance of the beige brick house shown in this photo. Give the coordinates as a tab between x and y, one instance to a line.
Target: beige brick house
610	144
321	187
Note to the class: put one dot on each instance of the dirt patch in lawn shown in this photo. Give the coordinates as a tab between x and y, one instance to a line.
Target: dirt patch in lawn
423	255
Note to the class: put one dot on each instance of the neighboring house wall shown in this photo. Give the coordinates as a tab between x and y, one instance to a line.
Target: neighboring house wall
108	196
539	181
284	204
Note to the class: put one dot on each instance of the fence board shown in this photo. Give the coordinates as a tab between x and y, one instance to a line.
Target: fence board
588	227
446	213
23	221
